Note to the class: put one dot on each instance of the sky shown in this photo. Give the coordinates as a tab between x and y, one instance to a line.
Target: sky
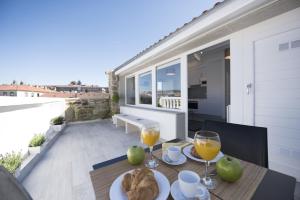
57	41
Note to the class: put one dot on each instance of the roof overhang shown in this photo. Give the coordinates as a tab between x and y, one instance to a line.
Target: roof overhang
229	17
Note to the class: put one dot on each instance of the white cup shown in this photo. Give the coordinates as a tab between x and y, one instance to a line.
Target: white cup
174	153
189	184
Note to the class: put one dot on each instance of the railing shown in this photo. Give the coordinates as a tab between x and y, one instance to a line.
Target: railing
170	102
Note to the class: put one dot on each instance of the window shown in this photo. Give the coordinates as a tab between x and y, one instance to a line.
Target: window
4	93
168	86
145	88
130	90
11	94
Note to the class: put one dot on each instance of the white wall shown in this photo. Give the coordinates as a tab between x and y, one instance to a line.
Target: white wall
170	125
18	126
28	94
6	100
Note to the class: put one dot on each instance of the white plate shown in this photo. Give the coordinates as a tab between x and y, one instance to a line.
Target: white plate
181	160
187	152
177	194
116	193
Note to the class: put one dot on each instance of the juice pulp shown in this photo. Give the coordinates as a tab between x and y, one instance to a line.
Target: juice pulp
208	149
150	137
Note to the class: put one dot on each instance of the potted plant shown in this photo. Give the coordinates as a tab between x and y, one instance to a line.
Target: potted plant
11	161
36	143
57	123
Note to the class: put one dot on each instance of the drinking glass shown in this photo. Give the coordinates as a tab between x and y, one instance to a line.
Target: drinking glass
207	145
149	136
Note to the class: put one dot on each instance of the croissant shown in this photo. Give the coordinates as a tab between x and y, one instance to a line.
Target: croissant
140	185
195	154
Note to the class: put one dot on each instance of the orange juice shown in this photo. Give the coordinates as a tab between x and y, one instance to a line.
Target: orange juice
208	149
150	137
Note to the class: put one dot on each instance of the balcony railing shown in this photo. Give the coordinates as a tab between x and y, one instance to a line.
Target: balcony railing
170	102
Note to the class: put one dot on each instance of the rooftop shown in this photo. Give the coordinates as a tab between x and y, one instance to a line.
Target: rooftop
27	88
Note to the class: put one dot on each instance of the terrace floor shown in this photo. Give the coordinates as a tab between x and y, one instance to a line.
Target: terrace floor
63	173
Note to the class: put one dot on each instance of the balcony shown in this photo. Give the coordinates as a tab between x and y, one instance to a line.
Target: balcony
170	102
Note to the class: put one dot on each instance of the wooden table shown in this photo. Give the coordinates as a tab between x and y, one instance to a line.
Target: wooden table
256	183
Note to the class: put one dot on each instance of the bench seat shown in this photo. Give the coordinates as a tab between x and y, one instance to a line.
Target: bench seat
132	123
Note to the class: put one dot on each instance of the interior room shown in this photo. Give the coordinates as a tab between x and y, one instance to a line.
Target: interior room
208	85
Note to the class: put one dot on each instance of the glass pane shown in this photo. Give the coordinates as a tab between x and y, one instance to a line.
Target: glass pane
168	87
145	88
130	90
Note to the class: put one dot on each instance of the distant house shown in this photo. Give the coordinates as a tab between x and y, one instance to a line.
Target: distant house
77	88
22	91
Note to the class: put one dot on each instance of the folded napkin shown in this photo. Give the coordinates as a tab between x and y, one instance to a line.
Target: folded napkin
166	145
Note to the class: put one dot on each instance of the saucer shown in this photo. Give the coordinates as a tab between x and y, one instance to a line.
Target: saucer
177	194
182	159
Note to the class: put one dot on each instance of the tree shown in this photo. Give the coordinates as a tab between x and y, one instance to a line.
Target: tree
14	82
73	83
78	82
21	83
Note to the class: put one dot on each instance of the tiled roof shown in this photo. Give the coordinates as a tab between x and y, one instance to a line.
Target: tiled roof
169	36
27	88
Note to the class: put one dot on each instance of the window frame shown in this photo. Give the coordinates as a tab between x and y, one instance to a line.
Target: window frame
165	65
152	69
127	77
145	73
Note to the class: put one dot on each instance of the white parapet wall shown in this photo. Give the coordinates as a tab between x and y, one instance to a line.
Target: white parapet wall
22	117
171	123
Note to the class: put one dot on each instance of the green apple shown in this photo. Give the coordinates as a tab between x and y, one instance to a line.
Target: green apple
229	169
135	155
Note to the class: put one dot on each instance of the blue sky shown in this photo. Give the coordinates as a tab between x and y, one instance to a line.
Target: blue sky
56	41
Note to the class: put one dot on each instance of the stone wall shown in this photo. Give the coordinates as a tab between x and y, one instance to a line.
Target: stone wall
88	109
113	86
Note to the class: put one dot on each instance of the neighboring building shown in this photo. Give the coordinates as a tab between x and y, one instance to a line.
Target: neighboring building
75	95
77	88
22	91
238	62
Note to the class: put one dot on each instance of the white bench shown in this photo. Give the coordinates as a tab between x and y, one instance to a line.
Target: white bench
131	122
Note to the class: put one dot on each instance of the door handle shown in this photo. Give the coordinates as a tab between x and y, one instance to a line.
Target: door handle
248	88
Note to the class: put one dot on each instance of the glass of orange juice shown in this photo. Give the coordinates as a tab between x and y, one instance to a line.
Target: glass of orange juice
207	145
149	136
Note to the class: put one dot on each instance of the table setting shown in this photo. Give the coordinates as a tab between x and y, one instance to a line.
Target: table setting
177	169
146	181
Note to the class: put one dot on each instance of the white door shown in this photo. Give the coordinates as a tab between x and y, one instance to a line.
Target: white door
277	98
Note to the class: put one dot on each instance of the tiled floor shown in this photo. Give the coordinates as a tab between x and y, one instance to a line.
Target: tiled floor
63	173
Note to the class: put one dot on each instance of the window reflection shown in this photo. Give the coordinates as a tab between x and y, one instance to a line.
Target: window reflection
145	88
130	90
168	86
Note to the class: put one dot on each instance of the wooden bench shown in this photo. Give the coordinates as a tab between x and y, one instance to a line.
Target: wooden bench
132	123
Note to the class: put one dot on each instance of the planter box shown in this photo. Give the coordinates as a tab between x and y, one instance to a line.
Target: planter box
34	150
58	128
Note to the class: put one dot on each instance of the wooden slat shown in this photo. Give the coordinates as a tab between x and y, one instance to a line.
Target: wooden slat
189	165
244	188
102	178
